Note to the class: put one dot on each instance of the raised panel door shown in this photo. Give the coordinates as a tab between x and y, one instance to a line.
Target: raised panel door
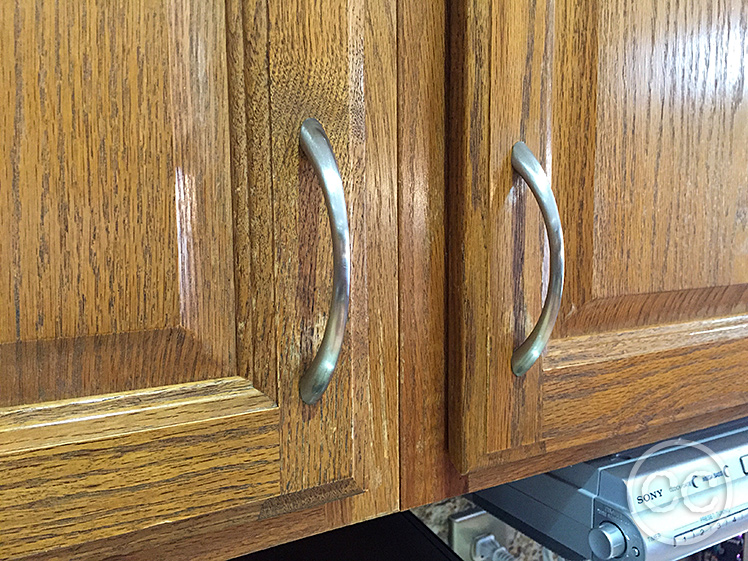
638	113
166	266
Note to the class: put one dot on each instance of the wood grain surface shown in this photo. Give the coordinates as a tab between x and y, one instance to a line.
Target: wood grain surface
115	213
666	123
503	46
249	112
378	398
197	441
219	536
672	119
426	471
522	51
55	423
297	61
646	126
308	46
469	141
93	488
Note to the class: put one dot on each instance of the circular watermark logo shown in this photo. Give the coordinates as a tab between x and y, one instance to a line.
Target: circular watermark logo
664	500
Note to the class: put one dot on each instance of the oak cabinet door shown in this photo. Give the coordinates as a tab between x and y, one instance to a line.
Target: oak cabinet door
166	268
639	114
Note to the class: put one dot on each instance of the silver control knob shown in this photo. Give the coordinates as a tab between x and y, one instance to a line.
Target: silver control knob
607	541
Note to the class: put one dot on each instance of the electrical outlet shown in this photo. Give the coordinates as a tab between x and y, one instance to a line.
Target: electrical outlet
466	526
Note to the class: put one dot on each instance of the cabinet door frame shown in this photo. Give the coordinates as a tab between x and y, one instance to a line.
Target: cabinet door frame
213	466
529	71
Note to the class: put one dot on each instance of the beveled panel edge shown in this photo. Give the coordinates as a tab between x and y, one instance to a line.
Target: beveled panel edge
56	423
623	313
79	367
78	493
613	345
641	392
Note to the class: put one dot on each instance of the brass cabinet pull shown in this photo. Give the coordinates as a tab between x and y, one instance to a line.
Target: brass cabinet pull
316	146
527	165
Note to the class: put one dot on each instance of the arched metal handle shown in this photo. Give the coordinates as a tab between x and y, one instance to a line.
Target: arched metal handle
527	165
316	146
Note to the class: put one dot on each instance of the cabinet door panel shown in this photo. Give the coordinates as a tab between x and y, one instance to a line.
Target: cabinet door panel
646	145
121	404
166	266
670	173
115	200
665	293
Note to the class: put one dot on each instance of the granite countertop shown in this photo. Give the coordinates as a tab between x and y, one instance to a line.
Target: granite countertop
436	517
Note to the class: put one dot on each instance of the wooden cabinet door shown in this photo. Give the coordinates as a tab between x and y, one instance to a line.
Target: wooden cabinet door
166	266
639	114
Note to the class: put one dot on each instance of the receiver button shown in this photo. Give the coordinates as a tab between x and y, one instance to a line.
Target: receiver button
744	463
607	541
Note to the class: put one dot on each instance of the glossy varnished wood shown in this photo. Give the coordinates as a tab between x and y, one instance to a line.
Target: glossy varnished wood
297	61
667	179
671	116
52	423
249	96
379	397
310	76
507	47
93	488
235	531
114	207
118	277
642	112
212	431
426	472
